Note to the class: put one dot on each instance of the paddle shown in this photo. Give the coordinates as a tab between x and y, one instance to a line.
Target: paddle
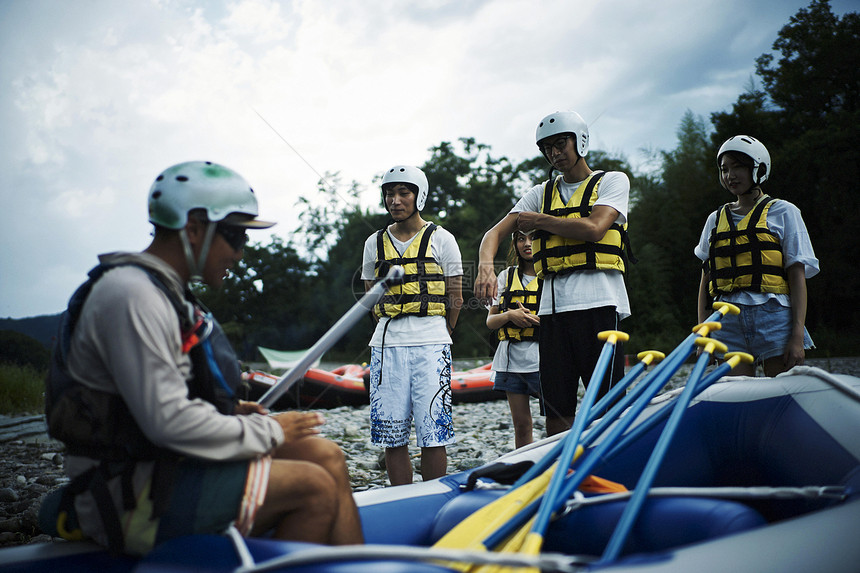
498	519
471	531
732	360
533	541
669	365
657	379
494	522
484	520
335	333
631	510
645	358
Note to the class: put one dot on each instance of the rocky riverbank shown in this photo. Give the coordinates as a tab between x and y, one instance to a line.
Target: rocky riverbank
32	465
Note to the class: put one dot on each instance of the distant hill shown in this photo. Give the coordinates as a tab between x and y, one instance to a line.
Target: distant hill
42	328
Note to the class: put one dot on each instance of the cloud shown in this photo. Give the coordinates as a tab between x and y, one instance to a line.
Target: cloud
97	97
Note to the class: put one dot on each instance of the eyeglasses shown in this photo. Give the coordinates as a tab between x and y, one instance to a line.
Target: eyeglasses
559	145
235	236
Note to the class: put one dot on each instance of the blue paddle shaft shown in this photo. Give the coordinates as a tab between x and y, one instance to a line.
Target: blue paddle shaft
572	439
631	510
652	421
649	386
657	379
682	349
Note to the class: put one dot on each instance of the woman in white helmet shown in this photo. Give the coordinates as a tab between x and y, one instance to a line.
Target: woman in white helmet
176	450
580	251
410	365
756	254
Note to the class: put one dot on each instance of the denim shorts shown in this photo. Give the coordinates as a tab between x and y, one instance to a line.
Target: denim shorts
762	330
518	382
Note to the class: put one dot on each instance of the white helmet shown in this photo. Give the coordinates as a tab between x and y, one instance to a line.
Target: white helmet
754	149
564	122
202	185
409	174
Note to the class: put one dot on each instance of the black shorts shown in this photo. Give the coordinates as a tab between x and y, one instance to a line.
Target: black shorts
569	350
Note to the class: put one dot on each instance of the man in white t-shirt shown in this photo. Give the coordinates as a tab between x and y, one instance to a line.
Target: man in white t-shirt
581	251
410	366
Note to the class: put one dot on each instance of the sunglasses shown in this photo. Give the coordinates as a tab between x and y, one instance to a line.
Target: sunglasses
235	236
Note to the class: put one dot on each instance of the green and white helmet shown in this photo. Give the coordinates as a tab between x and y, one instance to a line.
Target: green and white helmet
564	122
221	192
216	189
754	149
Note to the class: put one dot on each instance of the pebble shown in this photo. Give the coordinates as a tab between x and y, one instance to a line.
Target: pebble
29	469
32	466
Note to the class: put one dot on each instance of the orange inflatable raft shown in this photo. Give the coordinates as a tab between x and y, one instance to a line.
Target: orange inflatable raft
347	386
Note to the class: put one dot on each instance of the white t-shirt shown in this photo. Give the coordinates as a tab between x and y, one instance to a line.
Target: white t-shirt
521	356
785	221
415	330
582	290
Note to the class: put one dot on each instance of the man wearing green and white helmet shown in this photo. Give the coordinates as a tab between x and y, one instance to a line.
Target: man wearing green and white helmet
580	251
179	453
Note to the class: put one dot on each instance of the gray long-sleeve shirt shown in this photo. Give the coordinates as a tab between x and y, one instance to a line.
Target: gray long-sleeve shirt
128	342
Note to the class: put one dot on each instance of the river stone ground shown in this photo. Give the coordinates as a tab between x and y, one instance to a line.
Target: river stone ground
31	464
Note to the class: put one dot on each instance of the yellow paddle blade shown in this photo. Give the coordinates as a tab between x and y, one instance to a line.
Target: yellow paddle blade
513	544
530	544
471	532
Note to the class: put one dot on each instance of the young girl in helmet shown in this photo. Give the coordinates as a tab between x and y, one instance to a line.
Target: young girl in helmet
756	255
513	314
410	362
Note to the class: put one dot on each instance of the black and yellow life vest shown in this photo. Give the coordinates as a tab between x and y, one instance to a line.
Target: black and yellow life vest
556	254
99	425
422	292
528	296
746	256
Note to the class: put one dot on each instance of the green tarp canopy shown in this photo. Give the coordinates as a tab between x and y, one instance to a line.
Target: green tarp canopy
283	359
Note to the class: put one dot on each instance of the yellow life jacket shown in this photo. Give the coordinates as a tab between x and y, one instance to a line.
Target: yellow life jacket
422	292
528	296
554	253
747	256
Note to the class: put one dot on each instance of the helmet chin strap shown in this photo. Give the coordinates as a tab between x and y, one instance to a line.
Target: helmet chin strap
414	212
195	267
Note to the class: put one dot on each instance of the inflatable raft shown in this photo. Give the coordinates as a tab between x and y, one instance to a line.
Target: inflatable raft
762	475
347	386
318	388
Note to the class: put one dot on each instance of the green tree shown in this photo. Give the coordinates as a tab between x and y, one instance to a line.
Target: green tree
808	115
22	350
667	211
470	190
267	300
335	227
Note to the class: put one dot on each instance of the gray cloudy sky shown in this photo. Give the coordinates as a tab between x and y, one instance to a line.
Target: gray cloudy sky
98	96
